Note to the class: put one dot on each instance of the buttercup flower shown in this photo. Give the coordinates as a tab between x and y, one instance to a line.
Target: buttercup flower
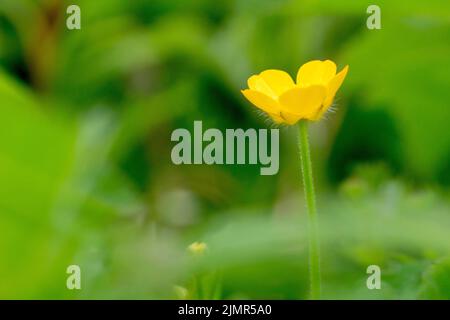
286	102
197	248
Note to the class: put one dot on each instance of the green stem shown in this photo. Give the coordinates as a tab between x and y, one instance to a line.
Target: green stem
308	183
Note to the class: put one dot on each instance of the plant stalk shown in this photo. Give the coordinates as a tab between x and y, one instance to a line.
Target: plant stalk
313	236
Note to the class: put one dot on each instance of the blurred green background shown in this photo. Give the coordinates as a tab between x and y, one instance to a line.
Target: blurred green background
86	176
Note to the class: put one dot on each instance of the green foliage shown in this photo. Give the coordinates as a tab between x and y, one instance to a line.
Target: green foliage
85	170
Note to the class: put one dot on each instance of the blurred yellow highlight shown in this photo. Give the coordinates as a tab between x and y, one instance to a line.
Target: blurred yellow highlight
197	248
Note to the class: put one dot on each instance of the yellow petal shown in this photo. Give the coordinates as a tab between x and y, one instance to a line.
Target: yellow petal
290	118
279	81
277	118
257	83
302	102
262	101
316	72
334	85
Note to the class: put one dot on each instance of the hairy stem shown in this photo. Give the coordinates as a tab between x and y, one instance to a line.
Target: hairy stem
313	236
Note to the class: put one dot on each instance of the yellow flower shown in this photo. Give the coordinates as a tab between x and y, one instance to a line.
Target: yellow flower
274	91
197	248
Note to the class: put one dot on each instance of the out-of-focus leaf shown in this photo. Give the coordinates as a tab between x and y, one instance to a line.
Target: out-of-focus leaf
436	281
